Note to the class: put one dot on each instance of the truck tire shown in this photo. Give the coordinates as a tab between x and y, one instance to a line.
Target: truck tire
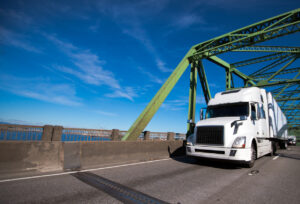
274	146
283	145
273	149
250	164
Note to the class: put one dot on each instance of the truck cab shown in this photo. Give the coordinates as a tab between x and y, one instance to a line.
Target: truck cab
234	127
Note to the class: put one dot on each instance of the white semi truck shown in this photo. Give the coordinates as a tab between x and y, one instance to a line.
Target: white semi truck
240	125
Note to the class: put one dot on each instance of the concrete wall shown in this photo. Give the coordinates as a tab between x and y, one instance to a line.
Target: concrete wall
51	156
28	156
119	152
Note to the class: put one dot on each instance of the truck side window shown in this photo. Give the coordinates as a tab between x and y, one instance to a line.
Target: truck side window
253	112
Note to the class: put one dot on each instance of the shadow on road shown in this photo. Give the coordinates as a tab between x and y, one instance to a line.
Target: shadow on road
291	153
116	190
290	156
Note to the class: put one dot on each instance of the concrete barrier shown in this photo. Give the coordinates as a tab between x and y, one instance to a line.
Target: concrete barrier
93	154
44	156
18	156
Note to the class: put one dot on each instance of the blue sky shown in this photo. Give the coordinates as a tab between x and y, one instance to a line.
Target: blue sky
96	64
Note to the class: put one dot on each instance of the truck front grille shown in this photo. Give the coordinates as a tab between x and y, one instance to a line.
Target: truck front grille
211	135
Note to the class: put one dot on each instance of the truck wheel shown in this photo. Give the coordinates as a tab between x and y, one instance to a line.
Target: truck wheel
253	157
283	145
274	147
272	150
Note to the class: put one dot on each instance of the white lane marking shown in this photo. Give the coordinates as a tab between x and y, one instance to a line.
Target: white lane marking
276	157
86	170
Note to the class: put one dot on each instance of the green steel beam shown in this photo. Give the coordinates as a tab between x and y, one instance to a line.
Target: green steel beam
271	66
261	48
288	99
288	109
291	81
281	69
261	59
287	85
276	73
192	99
204	83
286	71
288	93
293	114
288	103
271	80
145	117
227	66
228	78
271	28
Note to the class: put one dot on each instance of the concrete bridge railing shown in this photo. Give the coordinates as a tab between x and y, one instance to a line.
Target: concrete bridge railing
59	133
47	148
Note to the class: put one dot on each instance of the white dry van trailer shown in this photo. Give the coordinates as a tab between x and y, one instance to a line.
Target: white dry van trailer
240	125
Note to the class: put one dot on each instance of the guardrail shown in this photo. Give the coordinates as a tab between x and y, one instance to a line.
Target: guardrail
21	132
59	133
76	134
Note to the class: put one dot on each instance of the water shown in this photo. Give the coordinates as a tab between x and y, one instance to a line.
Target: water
37	136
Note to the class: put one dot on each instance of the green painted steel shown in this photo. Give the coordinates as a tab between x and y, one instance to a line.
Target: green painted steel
277	49
192	99
288	99
276	73
286	86
227	66
290	81
269	67
286	71
262	31
204	82
261	59
143	120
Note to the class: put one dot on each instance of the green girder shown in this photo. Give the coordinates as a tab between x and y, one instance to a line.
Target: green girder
192	97
272	65
203	80
286	71
261	59
145	117
277	49
241	40
271	28
288	99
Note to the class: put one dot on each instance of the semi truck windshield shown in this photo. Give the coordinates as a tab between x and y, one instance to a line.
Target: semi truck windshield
228	110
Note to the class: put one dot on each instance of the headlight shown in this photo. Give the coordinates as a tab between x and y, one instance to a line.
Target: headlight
189	141
239	142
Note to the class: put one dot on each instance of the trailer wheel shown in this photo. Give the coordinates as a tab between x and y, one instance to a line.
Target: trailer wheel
273	149
253	156
283	145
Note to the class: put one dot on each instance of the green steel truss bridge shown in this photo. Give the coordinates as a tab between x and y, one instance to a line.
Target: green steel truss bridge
268	66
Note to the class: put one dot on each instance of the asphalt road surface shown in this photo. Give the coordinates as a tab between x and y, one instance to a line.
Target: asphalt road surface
272	180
